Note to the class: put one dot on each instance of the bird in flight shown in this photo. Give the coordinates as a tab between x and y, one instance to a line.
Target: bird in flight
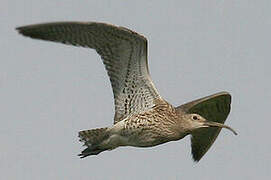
142	117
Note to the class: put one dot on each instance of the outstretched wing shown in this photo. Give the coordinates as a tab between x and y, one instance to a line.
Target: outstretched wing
213	108
124	54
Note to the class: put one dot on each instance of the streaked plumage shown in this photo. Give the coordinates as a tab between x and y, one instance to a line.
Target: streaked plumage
142	117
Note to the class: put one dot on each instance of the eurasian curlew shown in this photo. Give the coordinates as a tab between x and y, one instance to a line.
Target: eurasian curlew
142	117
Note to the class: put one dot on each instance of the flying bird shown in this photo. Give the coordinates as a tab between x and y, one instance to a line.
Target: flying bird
142	117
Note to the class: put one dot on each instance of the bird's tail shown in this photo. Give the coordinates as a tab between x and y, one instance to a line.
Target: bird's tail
92	139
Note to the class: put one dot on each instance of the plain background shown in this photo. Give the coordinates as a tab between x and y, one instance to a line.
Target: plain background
49	91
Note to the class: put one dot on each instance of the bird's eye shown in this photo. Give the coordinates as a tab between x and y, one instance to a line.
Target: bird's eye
195	118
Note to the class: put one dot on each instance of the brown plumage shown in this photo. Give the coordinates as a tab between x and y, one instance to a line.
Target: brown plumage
142	117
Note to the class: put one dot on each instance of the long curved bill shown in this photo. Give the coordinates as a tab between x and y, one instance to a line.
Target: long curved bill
215	124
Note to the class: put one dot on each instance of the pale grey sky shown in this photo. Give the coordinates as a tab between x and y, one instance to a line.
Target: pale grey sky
49	91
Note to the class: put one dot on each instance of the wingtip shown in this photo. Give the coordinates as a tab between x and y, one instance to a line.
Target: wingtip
21	30
195	157
18	29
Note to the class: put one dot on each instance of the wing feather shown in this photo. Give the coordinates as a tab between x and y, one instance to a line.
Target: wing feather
213	108
124	54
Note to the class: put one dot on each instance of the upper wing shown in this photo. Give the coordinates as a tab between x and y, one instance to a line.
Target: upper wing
124	55
213	108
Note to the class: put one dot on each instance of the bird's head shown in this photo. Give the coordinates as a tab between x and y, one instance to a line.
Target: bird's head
195	121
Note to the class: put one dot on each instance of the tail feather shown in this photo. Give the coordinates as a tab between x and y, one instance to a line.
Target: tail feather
92	139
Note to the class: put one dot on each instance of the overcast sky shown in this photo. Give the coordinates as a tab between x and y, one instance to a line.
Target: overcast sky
49	91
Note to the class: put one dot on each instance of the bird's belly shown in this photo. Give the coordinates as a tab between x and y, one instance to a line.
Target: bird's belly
140	133
143	139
